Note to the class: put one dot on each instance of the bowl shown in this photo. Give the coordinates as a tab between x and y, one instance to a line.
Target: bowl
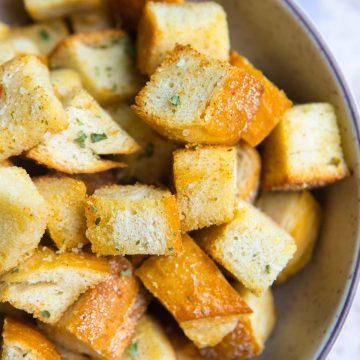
279	39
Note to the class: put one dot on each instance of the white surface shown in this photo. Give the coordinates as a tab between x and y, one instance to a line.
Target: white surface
339	24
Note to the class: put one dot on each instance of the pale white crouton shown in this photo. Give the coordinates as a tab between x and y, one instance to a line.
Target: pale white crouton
48	9
205	183
252	247
65	198
90	21
304	150
104	60
133	219
300	215
48	283
28	106
192	98
163	25
24	341
23	217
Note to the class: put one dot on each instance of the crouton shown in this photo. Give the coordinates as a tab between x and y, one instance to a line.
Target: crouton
133	219
274	103
65	83
28	106
104	61
46	34
207	311
149	342
163	25
101	322
4	30
65	198
248	172
249	337
21	340
193	98
304	150
23	216
152	163
49	9
48	283
205	182
91	132
90	21
300	215
251	247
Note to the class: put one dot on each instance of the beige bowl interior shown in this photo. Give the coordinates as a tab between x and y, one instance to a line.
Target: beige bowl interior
311	305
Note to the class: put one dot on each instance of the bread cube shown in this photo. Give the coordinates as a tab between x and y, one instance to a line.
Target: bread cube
104	61
274	103
89	21
101	322
133	219
21	340
252	247
29	107
45	34
163	25
205	182
47	283
152	163
206	312
65	198
304	150
192	98
65	83
248	171
23	217
300	215
48	9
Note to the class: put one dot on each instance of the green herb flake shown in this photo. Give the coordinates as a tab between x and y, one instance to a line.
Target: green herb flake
15	270
137	242
79	121
117	247
194	147
174	233
171	248
114	87
255	255
97	137
80	140
97	221
45	314
205	311
267	269
44	35
132	350
175	100
126	273
94	209
26	353
335	161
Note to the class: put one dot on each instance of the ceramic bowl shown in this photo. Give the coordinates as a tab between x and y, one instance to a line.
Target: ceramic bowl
278	38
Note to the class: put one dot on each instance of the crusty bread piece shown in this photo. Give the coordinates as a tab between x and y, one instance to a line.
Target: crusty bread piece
248	171
45	34
28	107
102	321
300	215
163	25
273	104
48	283
207	311
304	150
49	9
104	60
197	99
133	219
152	163
23	217
252	247
149	342
65	198
205	182
89	21
23	341
65	83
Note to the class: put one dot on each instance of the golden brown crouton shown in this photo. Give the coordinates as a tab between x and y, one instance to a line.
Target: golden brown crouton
102	321
252	247
65	198
197	99
133	219
304	150
163	25
273	104
48	9
205	182
207	311
300	215
21	341
23	217
104	61
28	106
48	283
65	83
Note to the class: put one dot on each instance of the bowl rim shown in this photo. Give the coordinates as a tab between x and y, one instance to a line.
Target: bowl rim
315	35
